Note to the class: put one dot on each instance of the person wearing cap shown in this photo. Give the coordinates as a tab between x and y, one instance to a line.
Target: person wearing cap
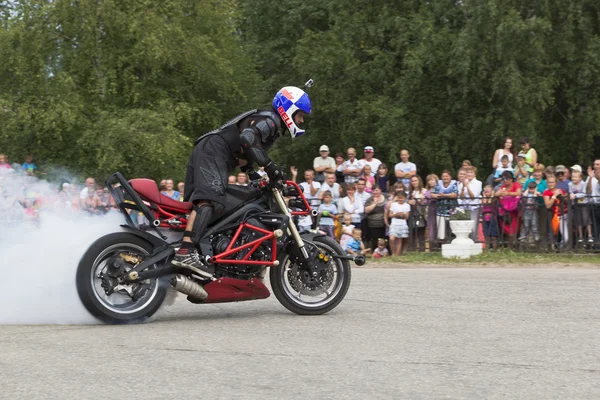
522	170
370	160
405	170
323	164
562	179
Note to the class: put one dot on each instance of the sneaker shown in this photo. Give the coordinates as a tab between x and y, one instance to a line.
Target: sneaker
191	258
580	240
522	238
591	240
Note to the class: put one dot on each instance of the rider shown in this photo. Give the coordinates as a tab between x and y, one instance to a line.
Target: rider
241	142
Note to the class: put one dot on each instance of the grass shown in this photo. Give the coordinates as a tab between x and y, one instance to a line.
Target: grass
499	257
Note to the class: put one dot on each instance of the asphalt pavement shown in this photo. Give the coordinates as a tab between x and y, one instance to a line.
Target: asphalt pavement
399	334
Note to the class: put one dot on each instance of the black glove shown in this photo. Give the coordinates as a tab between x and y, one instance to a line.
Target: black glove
275	172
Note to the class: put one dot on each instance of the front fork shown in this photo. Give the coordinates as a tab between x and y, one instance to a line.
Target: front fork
292	230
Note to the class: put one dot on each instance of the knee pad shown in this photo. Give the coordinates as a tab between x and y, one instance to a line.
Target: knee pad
204	214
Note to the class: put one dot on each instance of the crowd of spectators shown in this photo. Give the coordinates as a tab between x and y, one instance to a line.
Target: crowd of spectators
368	206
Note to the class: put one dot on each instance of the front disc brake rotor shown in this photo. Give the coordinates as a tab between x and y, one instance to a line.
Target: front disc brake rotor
302	281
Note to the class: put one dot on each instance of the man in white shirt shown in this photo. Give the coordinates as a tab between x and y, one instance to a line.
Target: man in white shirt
90	184
593	188
370	160
405	169
469	195
351	168
363	195
311	190
323	164
331	185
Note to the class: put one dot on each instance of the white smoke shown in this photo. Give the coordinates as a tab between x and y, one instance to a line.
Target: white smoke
39	253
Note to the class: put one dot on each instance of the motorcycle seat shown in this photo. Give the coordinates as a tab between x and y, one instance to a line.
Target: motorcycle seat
148	190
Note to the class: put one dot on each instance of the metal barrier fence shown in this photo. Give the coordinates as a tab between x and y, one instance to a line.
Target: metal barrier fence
567	226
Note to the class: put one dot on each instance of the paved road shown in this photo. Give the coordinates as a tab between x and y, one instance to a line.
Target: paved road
411	334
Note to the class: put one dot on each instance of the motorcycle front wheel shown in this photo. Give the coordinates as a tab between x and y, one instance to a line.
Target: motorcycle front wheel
303	294
121	303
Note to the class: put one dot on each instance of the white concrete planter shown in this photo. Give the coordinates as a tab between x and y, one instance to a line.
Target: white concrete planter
462	229
462	246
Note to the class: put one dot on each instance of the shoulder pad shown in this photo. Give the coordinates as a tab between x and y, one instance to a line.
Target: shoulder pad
232	121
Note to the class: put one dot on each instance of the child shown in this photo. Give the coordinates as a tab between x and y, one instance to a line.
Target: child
381	250
347	229
382	177
530	215
327	211
355	245
399	212
499	171
490	222
523	169
578	190
368	177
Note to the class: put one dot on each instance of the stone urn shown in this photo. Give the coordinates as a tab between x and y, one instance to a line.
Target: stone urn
462	229
462	246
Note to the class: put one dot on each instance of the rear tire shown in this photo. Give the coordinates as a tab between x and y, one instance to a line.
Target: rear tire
279	277
97	303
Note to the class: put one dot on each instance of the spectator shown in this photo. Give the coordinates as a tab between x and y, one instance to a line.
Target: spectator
340	201
530	214
446	194
550	170
375	211
418	213
362	194
232	180
581	211
162	186
170	192
261	171
368	177
330	185
241	179
554	200
466	163
29	167
522	170
180	189
469	190
4	163
311	190
404	170
351	167
103	199
531	155
537	176
91	202
509	195
355	246
397	188
353	205
399	212
90	186
323	164
508	151
370	160
381	251
339	168
432	181
490	219
382	178
505	167
347	229
593	189
327	212
562	181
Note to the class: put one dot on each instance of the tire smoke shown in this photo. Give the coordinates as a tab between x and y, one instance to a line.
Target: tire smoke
39	254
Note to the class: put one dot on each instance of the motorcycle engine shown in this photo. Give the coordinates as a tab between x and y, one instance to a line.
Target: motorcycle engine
240	271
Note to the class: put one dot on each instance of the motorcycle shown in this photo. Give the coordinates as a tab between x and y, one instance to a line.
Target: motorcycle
124	276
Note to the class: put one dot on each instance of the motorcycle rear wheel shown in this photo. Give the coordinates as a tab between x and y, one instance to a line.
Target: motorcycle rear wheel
115	308
299	299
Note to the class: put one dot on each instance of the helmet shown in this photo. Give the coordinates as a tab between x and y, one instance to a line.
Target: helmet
287	102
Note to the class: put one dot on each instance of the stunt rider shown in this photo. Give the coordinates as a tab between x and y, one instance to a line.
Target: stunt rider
241	142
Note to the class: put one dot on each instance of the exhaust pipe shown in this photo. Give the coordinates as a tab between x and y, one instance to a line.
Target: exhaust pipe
187	286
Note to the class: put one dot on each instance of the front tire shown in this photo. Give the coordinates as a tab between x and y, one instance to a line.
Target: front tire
294	295
115	308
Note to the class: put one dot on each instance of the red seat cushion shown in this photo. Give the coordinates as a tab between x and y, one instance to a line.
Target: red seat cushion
148	190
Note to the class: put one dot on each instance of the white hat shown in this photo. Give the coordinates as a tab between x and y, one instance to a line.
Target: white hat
65	185
577	167
369	149
324	148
